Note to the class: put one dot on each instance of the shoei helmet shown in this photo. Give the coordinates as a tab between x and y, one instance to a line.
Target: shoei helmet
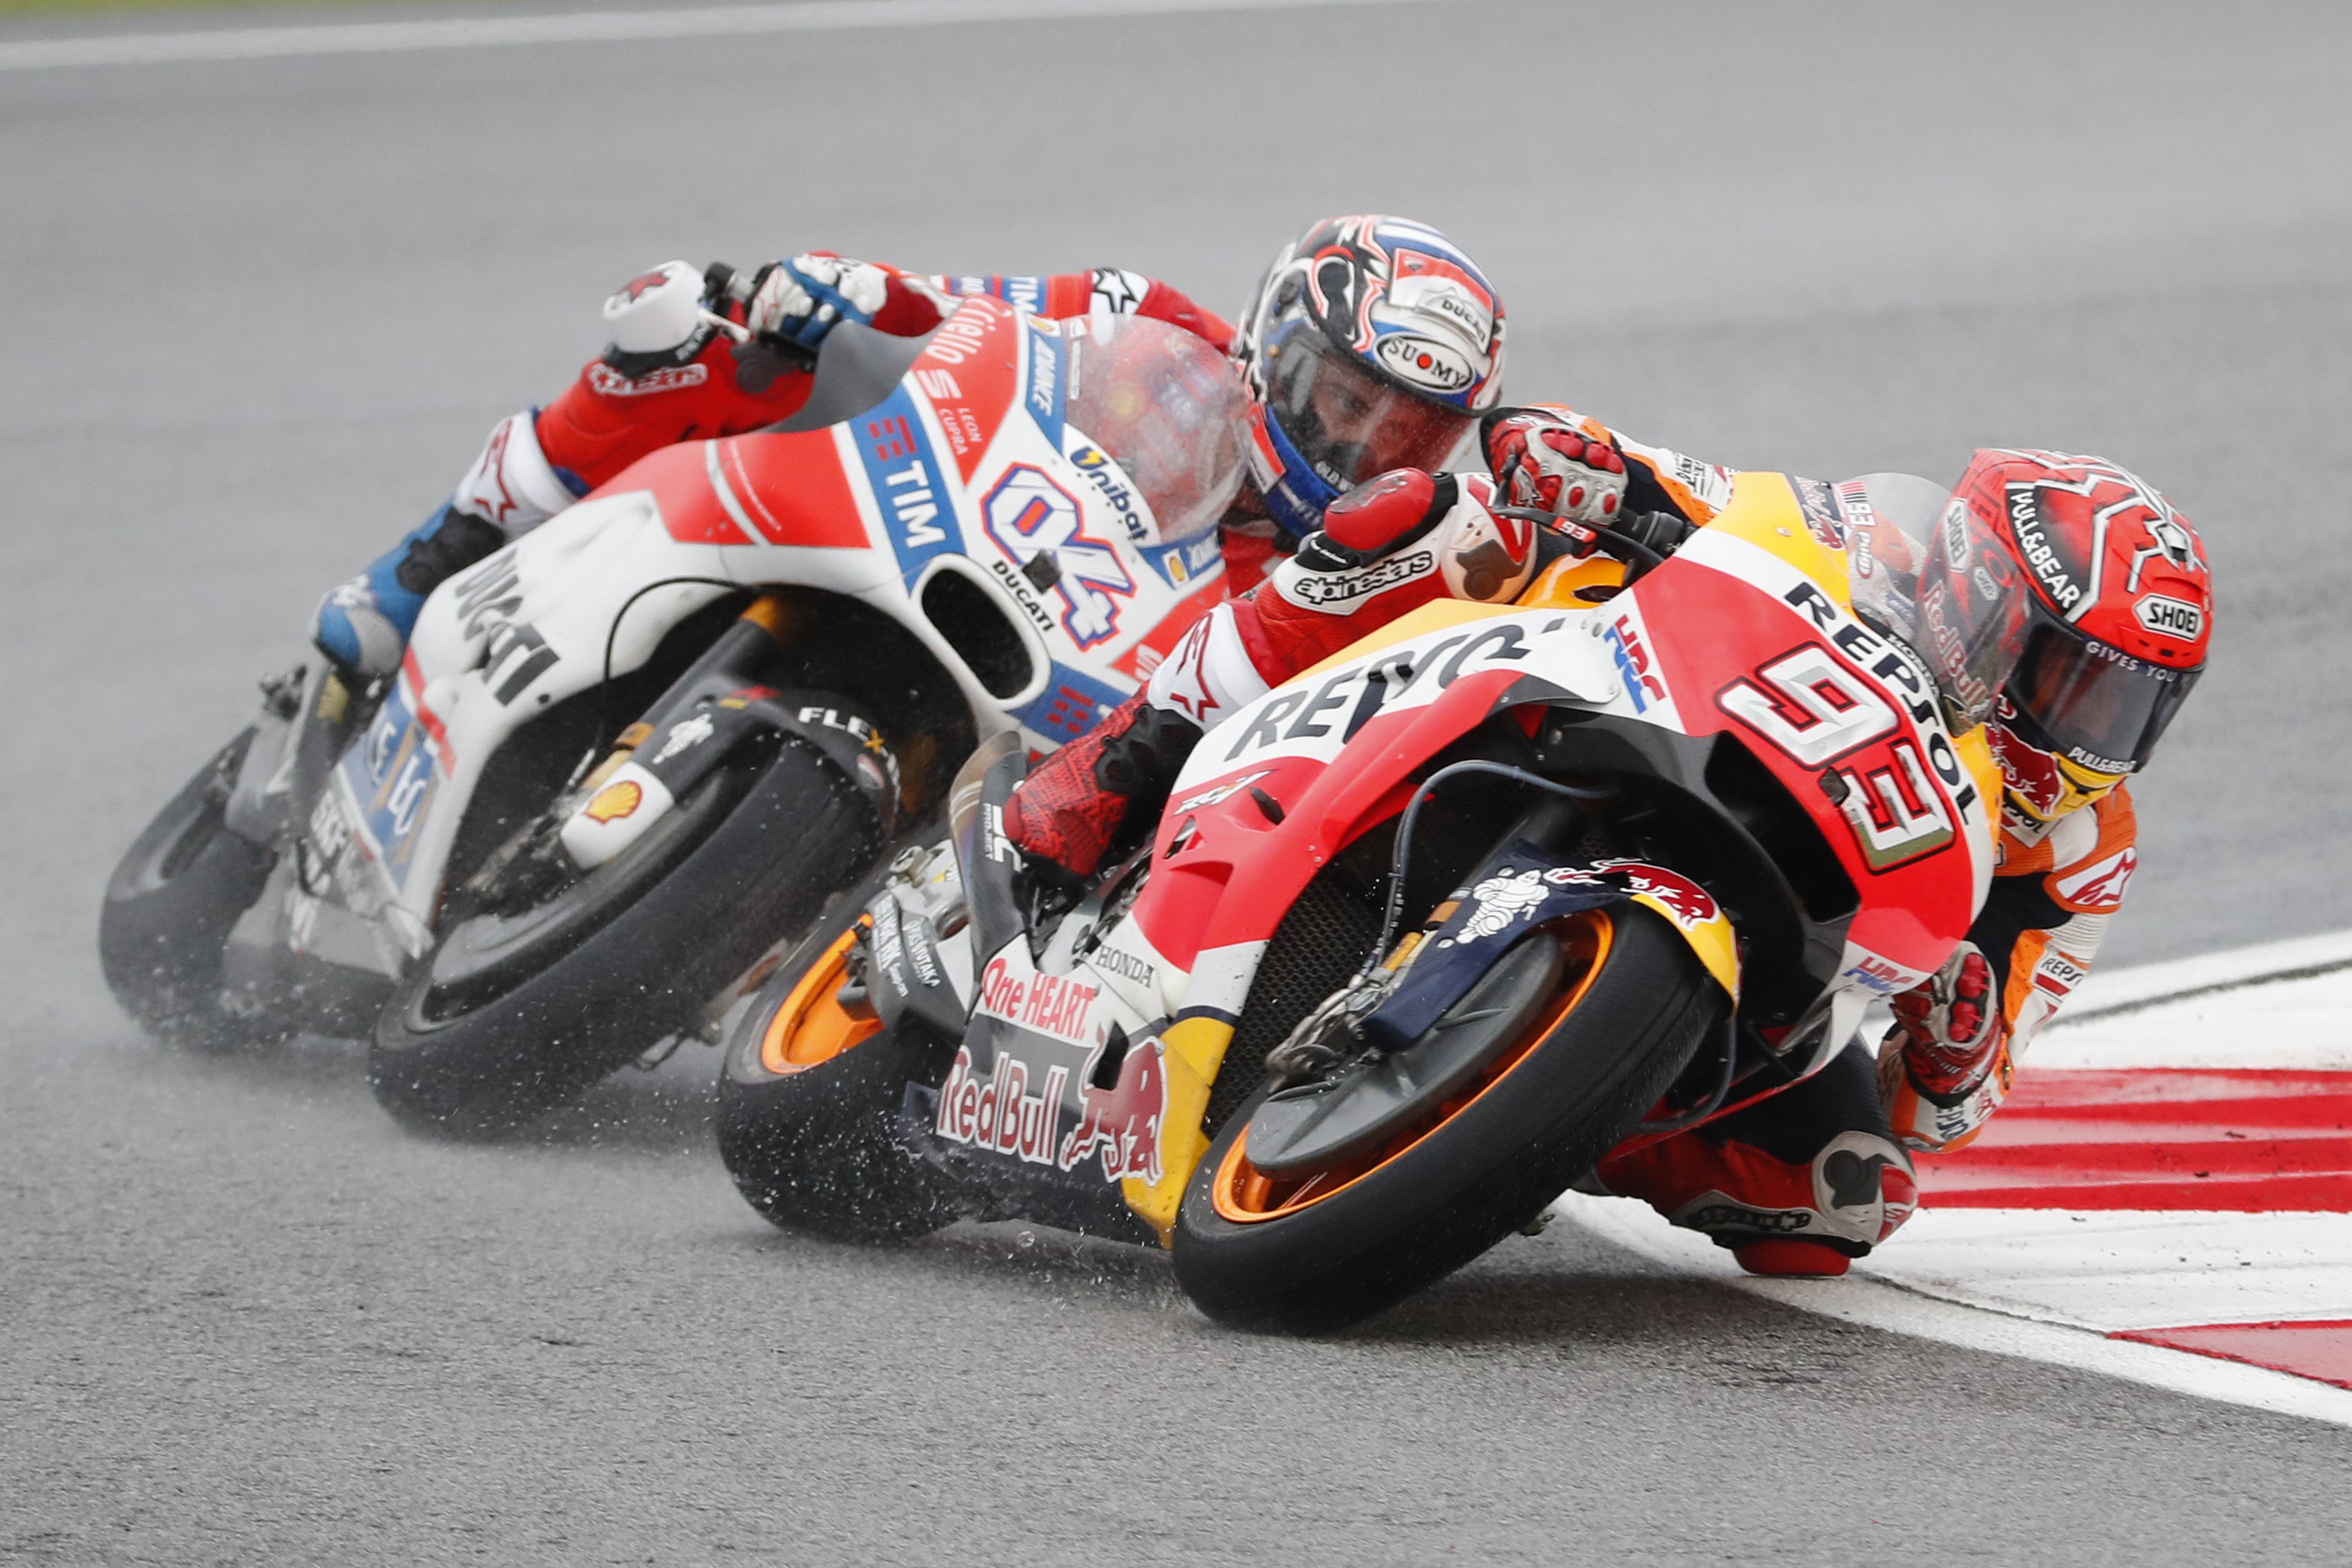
1373	343
2120	616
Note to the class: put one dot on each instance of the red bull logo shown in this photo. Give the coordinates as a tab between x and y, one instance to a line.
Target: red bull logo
1000	1116
1123	1121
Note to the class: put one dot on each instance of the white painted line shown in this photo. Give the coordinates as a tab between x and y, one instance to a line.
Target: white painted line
592	27
2124	1268
2147	982
1879	1304
2298	1024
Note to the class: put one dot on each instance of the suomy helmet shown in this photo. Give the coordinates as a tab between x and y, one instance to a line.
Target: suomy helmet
1373	343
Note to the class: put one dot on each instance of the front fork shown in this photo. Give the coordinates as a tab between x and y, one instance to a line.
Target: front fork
305	721
765	626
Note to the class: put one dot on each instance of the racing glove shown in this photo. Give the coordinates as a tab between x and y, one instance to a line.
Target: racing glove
797	302
1946	1067
1546	463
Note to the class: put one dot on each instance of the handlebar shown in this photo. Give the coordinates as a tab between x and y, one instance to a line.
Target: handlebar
1641	539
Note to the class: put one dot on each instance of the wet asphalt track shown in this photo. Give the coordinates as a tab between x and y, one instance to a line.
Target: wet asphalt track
257	315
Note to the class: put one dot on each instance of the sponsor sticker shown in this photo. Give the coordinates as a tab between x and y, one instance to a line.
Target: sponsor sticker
615	801
2170	617
684	736
909	486
1424	362
606	382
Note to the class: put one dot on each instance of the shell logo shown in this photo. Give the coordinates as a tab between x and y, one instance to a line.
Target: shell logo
615	801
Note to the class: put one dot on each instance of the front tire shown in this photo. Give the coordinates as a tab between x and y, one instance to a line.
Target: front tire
1314	1251
509	1016
174	898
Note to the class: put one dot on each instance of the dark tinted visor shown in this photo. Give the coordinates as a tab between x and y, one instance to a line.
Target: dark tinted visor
1347	422
2094	705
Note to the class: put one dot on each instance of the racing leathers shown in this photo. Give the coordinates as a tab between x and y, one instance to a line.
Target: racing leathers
695	355
1801	1181
1385	548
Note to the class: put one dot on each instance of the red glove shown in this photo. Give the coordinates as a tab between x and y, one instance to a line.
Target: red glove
1951	1028
1546	463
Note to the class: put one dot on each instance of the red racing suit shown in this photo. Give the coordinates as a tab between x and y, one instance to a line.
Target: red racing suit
625	405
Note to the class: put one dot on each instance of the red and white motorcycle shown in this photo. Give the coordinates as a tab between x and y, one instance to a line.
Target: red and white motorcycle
631	752
1427	931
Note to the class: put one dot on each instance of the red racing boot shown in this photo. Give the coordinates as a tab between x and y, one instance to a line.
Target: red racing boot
1802	1185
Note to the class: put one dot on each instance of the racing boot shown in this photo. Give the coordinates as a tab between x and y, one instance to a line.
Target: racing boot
363	625
1800	1185
1084	799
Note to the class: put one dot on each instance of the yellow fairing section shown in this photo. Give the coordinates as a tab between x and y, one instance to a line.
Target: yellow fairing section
1557	586
1191	1050
1711	940
1764	513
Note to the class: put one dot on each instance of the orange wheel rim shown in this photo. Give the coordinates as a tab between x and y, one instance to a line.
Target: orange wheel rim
1246	1195
813	1026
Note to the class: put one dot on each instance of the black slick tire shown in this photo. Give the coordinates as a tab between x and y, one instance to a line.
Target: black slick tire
634	952
173	900
819	1150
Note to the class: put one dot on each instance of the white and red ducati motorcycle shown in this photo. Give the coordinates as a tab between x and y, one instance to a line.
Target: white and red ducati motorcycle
631	753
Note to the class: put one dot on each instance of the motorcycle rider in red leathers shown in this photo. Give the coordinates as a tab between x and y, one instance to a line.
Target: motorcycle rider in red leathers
694	354
1812	1177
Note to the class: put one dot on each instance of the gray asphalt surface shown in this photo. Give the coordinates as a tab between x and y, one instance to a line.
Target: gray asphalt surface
258	317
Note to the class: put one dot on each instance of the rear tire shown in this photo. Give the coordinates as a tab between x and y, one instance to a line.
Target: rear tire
1312	1264
170	906
488	1031
815	1144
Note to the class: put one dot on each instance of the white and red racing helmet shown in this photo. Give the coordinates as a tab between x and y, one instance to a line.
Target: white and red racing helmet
1373	343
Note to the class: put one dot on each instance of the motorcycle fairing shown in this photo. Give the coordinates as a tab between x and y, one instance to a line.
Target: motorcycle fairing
1404	694
1845	719
866	508
1058	1092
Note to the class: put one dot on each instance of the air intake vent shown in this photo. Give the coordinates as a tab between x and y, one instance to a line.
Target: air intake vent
1782	827
976	624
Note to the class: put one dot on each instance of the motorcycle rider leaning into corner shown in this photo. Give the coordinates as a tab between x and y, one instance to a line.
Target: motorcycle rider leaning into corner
2120	617
694	354
1373	343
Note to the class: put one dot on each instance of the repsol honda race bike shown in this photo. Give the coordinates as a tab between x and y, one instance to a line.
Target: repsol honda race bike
1423	933
629	754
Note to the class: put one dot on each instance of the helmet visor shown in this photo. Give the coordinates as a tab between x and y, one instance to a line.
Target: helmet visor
1927	569
2094	705
1347	422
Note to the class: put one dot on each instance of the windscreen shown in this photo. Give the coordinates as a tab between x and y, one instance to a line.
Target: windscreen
1927	572
1171	411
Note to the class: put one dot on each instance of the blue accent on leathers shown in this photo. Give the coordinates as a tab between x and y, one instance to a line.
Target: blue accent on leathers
377	589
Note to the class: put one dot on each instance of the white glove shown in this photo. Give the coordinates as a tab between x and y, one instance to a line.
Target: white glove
799	301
